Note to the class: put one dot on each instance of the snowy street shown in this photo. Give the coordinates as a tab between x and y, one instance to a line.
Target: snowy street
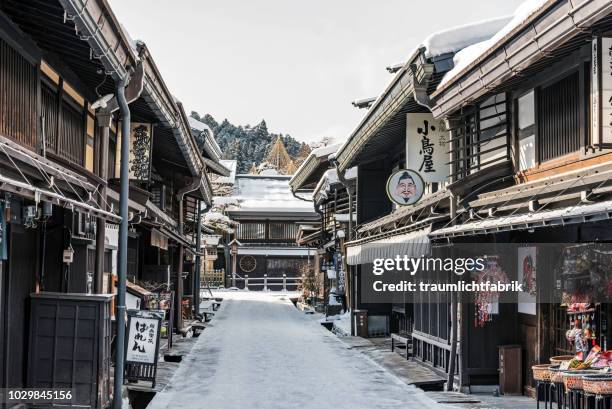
262	352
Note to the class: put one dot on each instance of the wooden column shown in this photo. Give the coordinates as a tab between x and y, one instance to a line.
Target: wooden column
103	119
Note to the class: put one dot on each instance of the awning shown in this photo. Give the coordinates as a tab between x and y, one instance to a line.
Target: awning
38	194
413	244
35	177
546	218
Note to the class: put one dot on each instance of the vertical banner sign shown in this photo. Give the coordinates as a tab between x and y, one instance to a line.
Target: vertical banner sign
606	90
595	98
141	143
427	147
140	152
338	262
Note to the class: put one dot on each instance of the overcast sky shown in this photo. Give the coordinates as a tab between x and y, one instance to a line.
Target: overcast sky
298	64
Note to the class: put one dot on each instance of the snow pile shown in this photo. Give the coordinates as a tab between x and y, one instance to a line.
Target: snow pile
216	217
460	37
470	54
342	323
325	150
219	221
230	164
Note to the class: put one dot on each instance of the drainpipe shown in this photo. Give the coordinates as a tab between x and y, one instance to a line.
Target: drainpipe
349	281
349	190
103	118
123	239
455	297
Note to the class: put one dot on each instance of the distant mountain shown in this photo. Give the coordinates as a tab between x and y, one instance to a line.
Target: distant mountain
250	145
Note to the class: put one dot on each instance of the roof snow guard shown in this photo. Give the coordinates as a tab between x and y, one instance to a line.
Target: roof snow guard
96	23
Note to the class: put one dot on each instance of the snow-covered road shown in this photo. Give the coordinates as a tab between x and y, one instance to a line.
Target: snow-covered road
262	352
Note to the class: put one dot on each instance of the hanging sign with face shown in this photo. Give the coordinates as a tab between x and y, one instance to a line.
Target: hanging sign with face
405	187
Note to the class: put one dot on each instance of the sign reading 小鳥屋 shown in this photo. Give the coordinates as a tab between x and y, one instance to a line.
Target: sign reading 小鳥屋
427	147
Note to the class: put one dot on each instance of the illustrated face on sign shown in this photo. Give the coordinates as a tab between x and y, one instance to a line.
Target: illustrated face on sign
405	187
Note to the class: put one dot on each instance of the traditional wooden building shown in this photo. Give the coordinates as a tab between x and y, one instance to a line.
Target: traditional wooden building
331	202
265	238
51	183
377	148
534	174
60	133
521	109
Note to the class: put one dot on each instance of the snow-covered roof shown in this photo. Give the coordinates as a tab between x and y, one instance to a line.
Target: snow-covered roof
471	53
330	178
262	193
230	164
198	125
309	165
457	38
201	127
447	41
325	150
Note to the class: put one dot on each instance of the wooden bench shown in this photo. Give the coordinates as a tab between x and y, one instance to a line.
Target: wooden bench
207	315
402	339
216	305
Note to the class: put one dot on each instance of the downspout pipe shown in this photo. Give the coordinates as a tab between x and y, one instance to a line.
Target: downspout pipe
349	190
123	239
294	193
193	186
351	299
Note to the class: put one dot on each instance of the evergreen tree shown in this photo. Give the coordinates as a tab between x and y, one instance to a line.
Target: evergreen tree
249	145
